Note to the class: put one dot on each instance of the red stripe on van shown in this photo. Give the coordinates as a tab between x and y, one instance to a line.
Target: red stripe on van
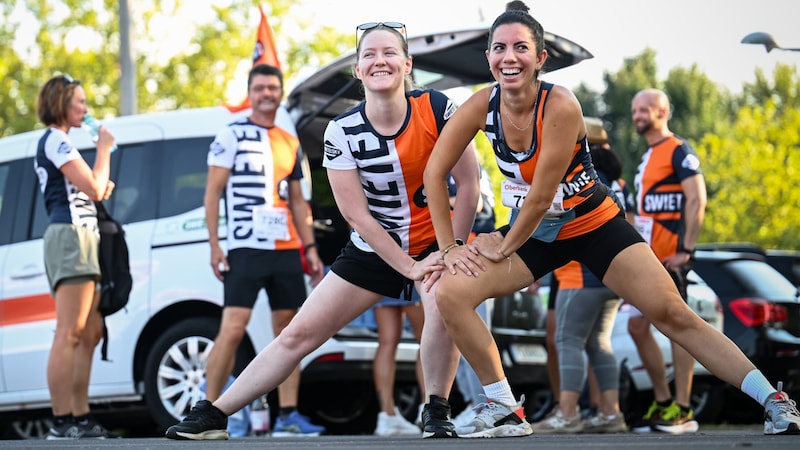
27	309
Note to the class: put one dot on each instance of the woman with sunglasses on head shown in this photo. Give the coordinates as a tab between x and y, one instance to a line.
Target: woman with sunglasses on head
375	155
70	187
560	212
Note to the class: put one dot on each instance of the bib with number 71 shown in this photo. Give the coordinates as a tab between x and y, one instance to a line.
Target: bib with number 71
513	196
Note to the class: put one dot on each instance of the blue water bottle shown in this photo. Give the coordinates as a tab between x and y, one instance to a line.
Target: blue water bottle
92	126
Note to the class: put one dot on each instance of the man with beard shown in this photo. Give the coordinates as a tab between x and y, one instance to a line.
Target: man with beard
671	201
257	164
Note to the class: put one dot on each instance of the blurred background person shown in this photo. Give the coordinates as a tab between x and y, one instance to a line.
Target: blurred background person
70	189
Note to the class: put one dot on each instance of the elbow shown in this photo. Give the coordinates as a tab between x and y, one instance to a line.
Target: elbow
95	194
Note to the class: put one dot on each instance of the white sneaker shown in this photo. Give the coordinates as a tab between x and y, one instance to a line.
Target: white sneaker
780	414
395	425
496	420
465	417
558	424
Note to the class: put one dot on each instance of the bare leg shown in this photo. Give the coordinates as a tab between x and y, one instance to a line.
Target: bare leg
659	301
288	390
416	318
222	356
457	297
331	305
552	353
652	358
390	322
683	363
438	351
84	356
73	303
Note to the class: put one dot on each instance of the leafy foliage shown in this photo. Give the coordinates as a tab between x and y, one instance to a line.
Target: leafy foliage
82	39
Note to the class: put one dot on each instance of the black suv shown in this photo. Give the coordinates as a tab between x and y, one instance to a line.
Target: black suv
762	316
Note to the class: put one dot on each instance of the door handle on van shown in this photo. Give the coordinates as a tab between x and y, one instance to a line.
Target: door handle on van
29	271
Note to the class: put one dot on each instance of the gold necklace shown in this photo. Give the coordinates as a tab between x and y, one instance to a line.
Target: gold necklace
530	122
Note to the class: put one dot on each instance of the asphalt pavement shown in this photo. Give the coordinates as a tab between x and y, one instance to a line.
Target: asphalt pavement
746	437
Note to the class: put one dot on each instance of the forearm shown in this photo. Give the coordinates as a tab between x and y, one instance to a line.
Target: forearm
212	220
383	244
693	221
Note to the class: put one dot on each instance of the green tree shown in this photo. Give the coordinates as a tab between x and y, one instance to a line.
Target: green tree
82	39
753	169
637	73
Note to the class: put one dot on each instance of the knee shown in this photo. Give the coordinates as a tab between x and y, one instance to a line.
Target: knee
230	333
70	336
294	337
638	328
676	316
447	299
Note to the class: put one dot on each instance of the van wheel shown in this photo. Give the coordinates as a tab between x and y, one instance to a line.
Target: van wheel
33	428
175	369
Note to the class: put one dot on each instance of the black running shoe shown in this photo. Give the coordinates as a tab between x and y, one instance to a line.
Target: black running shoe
67	430
205	421
93	430
436	421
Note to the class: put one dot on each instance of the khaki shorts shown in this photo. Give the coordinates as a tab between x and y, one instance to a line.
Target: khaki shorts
70	252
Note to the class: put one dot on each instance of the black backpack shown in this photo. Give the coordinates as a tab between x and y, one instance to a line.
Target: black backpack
116	281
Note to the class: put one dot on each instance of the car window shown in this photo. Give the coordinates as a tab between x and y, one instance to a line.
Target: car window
762	280
5	216
184	173
134	195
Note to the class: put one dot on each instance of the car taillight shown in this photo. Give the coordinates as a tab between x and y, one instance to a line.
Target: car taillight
330	357
757	311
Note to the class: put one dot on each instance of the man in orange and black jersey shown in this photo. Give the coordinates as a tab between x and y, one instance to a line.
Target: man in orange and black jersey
671	201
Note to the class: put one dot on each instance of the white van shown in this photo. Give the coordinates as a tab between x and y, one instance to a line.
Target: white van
159	343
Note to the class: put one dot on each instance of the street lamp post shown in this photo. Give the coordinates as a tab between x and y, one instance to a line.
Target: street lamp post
766	40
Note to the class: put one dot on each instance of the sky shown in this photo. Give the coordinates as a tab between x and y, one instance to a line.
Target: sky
682	32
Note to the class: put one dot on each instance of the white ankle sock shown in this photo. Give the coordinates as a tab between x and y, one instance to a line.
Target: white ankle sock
500	392
756	385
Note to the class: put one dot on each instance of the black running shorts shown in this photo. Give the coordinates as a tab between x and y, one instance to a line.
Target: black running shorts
279	272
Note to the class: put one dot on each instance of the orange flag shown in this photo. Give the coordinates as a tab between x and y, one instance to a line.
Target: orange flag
264	52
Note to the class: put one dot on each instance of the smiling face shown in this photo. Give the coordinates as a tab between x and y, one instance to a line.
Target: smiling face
513	55
649	111
383	63
265	93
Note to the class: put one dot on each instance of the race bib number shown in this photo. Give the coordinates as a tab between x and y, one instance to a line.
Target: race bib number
644	225
513	196
271	223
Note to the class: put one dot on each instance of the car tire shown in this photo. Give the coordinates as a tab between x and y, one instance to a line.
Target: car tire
708	399
32	428
175	369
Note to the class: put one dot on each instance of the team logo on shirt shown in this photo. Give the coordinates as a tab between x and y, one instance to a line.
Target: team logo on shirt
331	152
451	108
690	162
64	148
217	148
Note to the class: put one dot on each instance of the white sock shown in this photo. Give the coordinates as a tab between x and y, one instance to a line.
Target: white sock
500	392
756	385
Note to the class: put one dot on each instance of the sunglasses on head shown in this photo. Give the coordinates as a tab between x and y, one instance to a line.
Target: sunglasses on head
69	79
400	27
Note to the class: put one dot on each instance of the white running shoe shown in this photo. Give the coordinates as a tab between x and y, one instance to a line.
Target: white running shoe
558	424
496	420
780	414
465	416
395	425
